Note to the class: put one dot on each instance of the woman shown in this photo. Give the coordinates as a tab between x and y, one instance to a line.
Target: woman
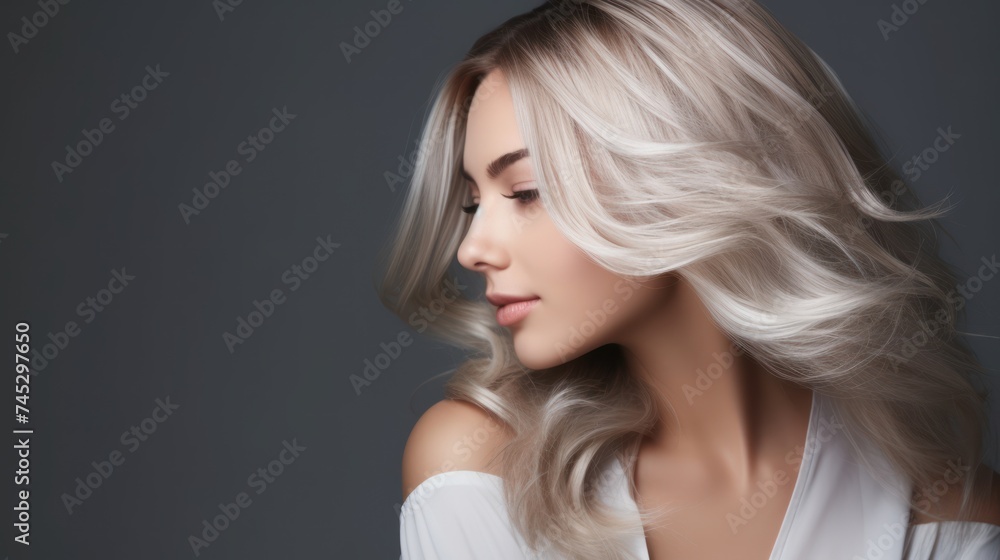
716	323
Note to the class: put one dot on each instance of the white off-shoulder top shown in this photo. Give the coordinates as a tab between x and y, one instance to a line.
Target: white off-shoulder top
838	511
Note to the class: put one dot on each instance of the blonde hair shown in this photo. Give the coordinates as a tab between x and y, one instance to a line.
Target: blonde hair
698	137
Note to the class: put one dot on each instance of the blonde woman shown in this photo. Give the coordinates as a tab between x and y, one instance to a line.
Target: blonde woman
715	321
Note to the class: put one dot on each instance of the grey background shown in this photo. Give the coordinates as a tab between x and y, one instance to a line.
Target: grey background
321	176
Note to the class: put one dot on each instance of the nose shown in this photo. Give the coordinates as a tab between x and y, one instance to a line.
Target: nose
485	243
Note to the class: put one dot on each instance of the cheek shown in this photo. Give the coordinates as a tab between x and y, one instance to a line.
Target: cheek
590	309
580	305
564	273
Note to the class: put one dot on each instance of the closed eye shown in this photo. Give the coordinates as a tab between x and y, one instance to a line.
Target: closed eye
526	196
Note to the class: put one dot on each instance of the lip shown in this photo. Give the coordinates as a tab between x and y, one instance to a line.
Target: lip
511	313
500	300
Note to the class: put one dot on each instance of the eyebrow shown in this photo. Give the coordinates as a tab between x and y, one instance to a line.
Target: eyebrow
494	169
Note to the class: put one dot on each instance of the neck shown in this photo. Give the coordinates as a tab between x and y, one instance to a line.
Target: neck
719	408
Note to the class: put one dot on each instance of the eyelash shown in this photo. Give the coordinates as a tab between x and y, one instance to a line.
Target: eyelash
526	196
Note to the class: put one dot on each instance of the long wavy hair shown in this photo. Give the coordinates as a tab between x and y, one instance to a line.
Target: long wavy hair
698	137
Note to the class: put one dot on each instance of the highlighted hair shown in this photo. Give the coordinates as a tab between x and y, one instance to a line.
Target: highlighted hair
698	137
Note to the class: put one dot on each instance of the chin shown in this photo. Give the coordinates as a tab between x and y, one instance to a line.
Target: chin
538	353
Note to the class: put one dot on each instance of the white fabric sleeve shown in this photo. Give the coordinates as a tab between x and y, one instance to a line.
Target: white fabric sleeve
459	515
954	540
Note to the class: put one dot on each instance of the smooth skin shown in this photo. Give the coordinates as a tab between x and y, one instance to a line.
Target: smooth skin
709	450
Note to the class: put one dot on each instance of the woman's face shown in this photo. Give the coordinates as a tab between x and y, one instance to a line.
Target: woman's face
512	242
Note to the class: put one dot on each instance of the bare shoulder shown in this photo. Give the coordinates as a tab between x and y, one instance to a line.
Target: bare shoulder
985	499
451	435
